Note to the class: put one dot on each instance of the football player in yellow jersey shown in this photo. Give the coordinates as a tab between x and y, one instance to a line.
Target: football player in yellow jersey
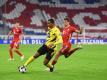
53	38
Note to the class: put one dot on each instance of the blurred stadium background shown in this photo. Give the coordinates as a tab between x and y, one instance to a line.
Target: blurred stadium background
33	14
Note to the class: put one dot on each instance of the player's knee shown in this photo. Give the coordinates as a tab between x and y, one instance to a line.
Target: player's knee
45	63
14	49
36	55
61	52
10	49
50	54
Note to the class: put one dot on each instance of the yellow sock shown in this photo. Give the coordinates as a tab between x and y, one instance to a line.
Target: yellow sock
49	65
29	61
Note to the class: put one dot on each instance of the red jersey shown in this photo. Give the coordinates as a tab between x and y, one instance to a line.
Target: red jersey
67	34
17	32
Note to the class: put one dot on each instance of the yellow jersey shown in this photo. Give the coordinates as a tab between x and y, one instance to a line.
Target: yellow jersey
53	37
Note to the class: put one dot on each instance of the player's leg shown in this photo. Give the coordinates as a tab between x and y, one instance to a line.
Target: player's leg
42	50
71	51
11	54
63	51
48	57
16	49
11	51
32	58
56	58
48	65
19	53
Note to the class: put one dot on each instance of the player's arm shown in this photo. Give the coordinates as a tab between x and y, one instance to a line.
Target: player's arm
21	34
10	32
79	31
77	38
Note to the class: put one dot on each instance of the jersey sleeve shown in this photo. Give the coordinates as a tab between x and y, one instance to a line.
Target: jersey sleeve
59	37
73	29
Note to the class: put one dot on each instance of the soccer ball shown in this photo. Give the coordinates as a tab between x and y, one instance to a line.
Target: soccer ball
22	69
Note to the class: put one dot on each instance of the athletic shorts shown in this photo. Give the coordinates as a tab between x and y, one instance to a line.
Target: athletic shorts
15	44
65	49
45	50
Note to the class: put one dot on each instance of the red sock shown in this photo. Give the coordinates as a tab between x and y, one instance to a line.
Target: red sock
56	58
18	52
72	51
54	62
11	53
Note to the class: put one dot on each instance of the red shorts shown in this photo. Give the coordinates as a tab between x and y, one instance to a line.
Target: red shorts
14	44
65	49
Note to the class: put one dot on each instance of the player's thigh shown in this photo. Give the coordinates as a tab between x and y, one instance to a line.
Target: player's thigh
42	50
50	54
11	44
14	44
65	49
46	61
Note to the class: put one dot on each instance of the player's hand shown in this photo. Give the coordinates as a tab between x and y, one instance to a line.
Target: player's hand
81	30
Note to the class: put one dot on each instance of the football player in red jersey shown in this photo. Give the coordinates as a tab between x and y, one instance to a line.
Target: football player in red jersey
17	37
67	49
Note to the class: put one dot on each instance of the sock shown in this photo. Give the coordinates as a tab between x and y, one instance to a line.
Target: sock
54	62
11	54
49	65
29	61
56	58
18	52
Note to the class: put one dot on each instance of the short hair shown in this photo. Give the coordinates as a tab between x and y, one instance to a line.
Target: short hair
51	21
17	21
67	19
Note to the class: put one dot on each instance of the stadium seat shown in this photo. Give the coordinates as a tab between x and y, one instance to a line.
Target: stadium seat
34	15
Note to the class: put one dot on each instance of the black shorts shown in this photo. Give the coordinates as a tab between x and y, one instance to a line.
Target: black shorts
45	50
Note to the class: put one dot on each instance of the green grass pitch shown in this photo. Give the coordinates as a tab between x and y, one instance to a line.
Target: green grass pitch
89	63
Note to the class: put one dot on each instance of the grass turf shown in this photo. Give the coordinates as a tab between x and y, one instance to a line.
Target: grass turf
89	63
